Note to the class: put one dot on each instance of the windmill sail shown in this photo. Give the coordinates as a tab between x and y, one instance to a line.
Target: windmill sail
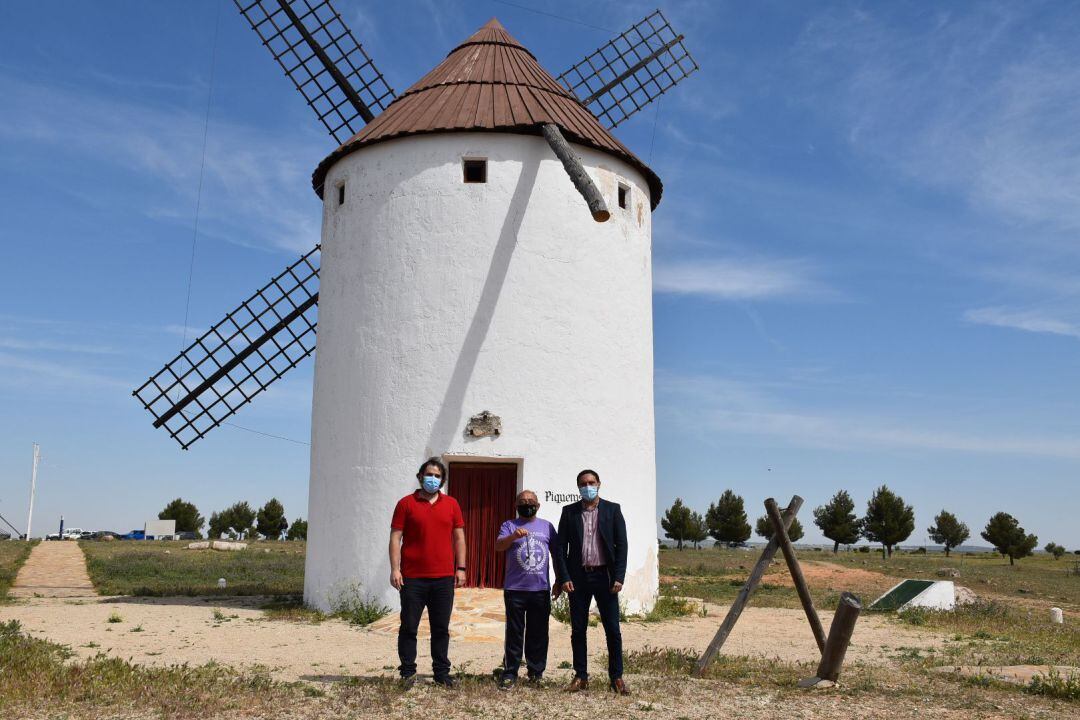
629	72
318	52
239	357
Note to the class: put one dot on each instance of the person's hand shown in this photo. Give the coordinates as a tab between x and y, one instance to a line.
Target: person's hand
616	586
520	533
396	580
568	586
459	578
556	591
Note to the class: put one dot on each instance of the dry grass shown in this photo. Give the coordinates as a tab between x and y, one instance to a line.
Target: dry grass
160	569
37	676
13	554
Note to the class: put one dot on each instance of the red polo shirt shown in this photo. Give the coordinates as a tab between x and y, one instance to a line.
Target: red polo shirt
427	548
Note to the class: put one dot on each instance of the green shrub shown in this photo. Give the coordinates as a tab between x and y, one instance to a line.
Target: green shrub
359	608
1054	685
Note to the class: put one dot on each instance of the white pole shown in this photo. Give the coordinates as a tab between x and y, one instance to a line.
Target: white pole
33	485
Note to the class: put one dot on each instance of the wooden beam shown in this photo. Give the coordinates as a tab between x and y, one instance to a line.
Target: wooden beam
780	534
747	590
577	173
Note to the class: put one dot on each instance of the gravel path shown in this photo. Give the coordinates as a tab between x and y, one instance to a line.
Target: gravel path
54	570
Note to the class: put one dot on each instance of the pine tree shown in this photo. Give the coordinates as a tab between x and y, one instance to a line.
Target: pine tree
298	530
238	516
271	520
185	514
764	529
726	519
699	530
676	522
1008	538
1054	549
888	520
837	521
948	531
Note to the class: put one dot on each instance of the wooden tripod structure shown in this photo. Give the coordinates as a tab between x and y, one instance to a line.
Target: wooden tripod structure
834	646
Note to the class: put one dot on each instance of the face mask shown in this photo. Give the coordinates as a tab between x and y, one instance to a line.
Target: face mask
589	492
432	484
527	511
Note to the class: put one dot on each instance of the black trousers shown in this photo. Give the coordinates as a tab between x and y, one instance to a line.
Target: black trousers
437	595
527	616
595	584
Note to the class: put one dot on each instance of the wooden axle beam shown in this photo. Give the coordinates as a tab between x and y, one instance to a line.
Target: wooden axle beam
577	173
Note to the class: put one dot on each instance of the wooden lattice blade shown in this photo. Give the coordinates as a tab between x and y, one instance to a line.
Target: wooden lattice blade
252	347
318	52
621	77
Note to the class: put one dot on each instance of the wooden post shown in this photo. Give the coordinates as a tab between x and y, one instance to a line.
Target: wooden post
577	173
780	534
744	594
843	625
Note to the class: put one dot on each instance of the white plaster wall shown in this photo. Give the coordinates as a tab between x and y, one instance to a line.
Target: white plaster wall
440	299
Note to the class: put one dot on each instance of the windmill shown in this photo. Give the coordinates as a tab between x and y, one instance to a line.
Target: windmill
460	271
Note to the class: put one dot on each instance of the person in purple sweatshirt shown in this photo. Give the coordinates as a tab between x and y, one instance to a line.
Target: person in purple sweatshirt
527	542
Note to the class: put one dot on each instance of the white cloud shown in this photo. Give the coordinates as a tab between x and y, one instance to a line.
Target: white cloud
40	372
12	343
719	405
256	190
1031	321
976	103
743	279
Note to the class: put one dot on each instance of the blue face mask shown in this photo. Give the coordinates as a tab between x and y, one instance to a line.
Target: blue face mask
432	484
589	492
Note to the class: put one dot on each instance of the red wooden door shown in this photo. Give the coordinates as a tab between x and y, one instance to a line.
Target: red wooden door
486	493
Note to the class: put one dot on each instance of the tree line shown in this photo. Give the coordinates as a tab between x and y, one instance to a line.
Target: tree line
888	520
239	520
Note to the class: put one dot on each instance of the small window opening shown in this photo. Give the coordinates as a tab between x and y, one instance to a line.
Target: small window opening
475	171
341	194
624	196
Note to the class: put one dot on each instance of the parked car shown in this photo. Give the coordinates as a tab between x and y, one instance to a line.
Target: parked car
187	535
5	536
134	535
100	534
73	534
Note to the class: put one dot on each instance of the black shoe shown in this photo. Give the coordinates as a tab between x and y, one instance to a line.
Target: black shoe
445	681
407	681
507	681
534	680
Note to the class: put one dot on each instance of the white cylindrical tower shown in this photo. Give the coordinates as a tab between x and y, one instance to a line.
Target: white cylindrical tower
461	273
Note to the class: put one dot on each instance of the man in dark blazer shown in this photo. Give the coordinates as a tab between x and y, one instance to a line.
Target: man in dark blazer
590	562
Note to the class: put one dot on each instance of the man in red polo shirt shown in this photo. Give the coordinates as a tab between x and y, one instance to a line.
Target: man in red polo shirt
427	561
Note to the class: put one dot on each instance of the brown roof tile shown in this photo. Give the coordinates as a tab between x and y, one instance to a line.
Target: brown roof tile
490	82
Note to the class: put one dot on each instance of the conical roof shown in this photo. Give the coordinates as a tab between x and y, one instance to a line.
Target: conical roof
489	83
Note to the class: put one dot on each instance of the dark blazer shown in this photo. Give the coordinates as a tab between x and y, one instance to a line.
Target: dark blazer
612	529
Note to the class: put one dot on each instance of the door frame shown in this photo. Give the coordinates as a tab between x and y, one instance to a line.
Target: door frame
519	462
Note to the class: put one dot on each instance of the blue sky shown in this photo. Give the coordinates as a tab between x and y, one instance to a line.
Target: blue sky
866	265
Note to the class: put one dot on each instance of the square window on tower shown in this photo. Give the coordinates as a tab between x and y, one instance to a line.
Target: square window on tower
624	196
475	170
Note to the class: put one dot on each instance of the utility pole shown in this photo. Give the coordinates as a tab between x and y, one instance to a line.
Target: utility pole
33	485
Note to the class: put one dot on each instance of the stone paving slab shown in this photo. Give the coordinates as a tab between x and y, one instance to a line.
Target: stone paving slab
478	616
54	569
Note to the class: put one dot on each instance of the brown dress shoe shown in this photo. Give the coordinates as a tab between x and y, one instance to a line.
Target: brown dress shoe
577	685
619	687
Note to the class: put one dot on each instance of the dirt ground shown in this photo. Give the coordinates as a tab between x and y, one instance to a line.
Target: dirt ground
178	630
